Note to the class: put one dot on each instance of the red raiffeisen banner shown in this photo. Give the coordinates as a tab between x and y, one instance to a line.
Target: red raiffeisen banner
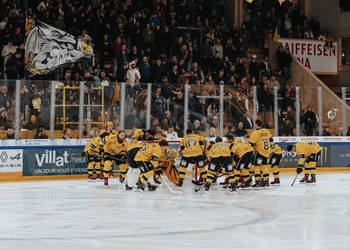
314	54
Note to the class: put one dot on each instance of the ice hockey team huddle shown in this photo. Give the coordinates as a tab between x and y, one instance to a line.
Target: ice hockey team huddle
147	157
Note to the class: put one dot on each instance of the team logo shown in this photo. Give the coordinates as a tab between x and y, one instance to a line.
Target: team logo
16	157
3	156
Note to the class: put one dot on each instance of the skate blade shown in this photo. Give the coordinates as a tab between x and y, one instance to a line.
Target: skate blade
311	184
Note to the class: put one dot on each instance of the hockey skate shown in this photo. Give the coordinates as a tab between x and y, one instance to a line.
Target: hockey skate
275	182
311	181
304	180
181	181
139	187
232	187
151	187
206	187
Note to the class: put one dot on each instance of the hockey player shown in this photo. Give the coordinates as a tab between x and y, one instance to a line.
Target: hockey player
309	154
147	160
274	162
261	140
115	151
137	142
220	158
92	152
192	149
242	154
109	128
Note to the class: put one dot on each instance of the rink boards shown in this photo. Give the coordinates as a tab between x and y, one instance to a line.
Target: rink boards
61	159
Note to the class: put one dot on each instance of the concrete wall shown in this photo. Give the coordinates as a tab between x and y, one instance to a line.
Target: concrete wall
331	103
328	14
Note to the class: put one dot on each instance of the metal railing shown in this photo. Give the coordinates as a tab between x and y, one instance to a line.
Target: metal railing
143	104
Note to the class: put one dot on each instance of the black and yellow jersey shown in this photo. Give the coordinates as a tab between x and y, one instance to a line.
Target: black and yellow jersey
313	148
261	140
150	152
241	149
114	145
307	148
301	148
276	149
93	147
192	145
220	149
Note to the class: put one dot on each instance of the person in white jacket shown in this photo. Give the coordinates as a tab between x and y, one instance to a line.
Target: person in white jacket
133	74
8	51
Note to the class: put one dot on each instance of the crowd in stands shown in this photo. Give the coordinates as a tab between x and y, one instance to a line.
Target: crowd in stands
167	42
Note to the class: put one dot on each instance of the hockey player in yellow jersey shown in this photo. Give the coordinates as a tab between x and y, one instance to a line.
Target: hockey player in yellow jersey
92	152
242	154
261	140
147	159
274	162
192	148
309	154
115	149
109	128
220	157
137	141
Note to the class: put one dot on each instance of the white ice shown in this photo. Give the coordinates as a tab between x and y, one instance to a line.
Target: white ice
81	215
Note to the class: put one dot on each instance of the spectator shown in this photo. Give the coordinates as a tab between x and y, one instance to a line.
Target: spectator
66	134
171	135
93	131
8	50
247	120
5	99
10	135
158	104
133	75
254	68
211	136
4	122
14	66
266	67
131	120
310	121
196	126
145	70
289	121
204	126
231	131
326	131
34	123
217	48
240	131
40	133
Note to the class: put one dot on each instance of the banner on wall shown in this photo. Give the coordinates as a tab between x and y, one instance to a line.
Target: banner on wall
314	54
53	161
11	160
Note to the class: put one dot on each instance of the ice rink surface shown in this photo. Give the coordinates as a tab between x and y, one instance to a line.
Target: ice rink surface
81	215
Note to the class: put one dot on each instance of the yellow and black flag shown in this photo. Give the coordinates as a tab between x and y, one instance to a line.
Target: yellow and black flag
48	48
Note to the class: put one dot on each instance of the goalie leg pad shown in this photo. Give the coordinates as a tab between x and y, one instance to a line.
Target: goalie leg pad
132	176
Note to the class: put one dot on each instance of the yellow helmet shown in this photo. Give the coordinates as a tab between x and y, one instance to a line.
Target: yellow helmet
107	124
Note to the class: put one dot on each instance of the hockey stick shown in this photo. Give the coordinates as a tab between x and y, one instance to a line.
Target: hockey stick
295	179
170	189
299	170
